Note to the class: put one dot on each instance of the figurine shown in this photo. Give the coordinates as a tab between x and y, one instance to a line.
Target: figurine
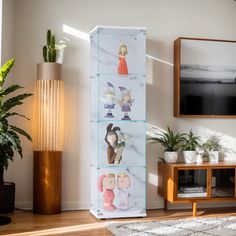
106	184
122	68
115	143
125	102
123	185
109	100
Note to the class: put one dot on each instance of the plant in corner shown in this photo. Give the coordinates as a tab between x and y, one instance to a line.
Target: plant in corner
9	135
171	143
212	147
190	143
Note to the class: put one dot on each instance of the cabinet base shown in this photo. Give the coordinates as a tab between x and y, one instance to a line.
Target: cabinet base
118	214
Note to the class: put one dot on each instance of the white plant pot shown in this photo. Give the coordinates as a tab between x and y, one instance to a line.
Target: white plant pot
214	156
189	157
171	157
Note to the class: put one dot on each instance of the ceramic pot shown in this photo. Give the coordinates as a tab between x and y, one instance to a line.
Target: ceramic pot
7	197
214	156
189	157
171	157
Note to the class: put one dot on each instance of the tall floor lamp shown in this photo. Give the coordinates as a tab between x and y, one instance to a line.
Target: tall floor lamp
48	139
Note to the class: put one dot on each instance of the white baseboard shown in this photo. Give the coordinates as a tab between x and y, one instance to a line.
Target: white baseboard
155	205
76	205
66	206
24	205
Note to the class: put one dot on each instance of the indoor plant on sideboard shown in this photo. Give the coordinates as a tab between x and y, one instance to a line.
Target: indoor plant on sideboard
48	132
212	147
190	143
171	143
9	139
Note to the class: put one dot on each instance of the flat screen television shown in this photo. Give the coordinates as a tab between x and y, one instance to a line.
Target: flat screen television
204	78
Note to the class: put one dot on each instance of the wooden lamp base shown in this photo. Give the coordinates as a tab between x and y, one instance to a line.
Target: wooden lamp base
47	182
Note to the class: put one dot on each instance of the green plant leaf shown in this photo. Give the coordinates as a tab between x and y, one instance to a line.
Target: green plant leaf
9	114
9	139
10	89
14	101
14	140
5	69
21	131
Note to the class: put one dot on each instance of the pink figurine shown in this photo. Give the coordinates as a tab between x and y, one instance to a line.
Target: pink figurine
106	184
123	185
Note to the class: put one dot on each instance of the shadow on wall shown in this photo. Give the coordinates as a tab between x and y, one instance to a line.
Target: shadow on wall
76	85
159	111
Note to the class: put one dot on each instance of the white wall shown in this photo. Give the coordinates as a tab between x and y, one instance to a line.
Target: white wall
165	20
7	29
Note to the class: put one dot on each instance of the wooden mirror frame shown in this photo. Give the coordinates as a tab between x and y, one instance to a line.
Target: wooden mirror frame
177	63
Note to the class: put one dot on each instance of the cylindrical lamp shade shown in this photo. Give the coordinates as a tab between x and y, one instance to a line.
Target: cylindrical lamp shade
48	138
48	122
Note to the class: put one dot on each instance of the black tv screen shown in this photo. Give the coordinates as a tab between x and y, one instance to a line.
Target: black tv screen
207	77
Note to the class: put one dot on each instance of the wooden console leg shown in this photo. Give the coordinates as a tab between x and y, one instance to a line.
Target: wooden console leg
165	204
194	204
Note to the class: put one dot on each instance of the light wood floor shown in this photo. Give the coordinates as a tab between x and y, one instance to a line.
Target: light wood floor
83	223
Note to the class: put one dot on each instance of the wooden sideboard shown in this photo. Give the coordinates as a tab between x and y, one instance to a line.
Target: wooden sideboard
192	183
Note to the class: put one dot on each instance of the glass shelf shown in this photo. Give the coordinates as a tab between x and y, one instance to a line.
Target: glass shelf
129	76
125	121
134	191
117	166
105	46
112	97
128	148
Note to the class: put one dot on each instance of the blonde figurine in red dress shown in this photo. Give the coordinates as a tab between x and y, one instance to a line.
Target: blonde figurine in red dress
122	68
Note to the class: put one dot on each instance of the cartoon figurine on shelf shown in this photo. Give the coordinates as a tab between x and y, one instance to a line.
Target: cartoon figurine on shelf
123	68
123	185
125	102
109	100
116	144
106	184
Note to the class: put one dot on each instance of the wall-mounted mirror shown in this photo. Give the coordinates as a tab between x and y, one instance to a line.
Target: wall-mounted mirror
204	78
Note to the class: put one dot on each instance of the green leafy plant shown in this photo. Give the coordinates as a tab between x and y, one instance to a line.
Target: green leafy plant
49	50
212	144
9	139
170	141
190	142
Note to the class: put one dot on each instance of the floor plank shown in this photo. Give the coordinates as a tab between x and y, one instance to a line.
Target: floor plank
25	223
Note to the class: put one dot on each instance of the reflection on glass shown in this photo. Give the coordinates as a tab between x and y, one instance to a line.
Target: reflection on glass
222	183
192	183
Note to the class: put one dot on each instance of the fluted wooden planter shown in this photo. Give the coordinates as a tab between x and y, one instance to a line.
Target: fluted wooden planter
48	139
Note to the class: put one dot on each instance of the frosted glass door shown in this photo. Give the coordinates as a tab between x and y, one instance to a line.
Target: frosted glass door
121	143
105	46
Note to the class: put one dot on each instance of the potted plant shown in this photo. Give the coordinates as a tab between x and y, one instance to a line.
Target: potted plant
190	143
171	143
212	147
49	69
9	139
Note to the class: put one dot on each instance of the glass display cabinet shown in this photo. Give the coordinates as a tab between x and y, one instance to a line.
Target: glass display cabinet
118	122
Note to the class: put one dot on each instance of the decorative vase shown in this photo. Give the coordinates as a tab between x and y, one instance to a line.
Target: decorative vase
7	197
199	158
189	157
171	157
214	156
